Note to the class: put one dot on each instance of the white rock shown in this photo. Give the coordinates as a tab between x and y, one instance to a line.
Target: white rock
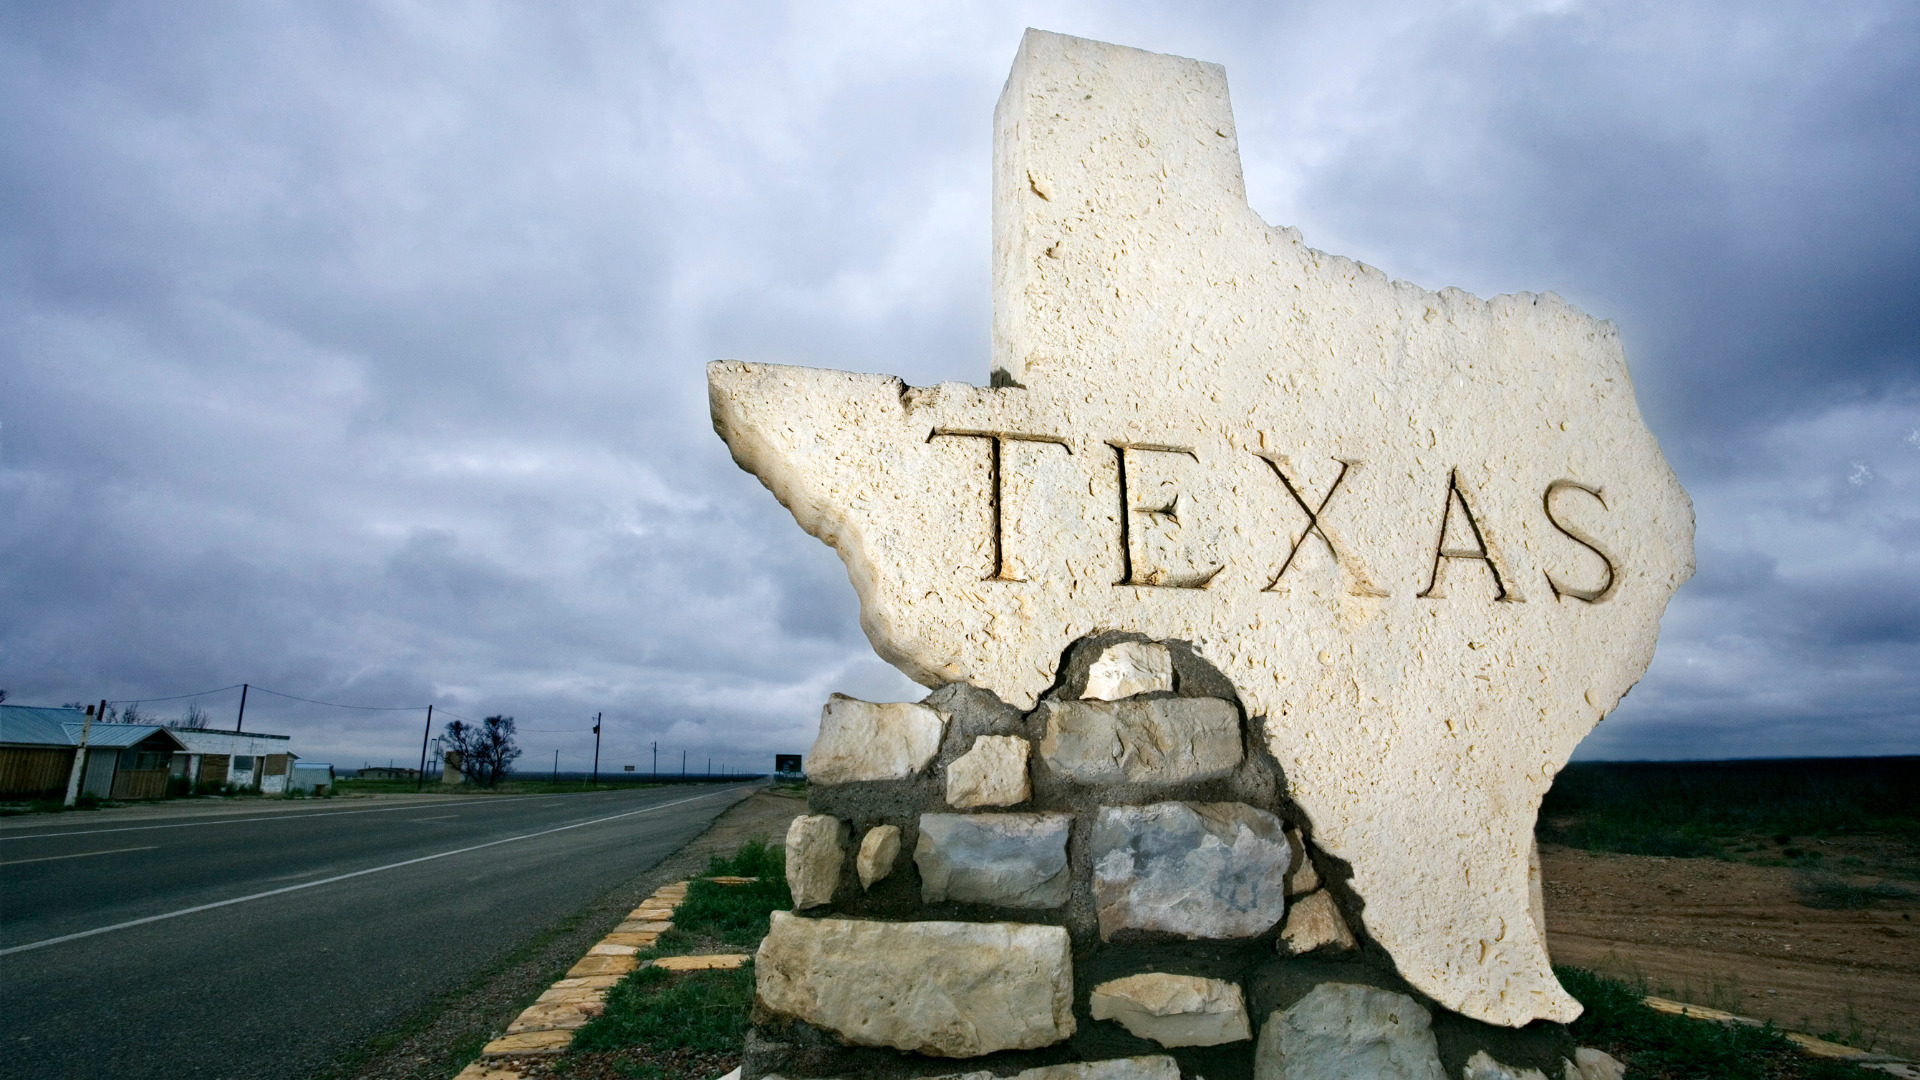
1314	922
878	849
1596	1065
1482	1066
865	740
948	989
1127	668
1302	877
816	848
1157	741
1341	1031
992	773
1011	860
1174	1010
1200	870
1136	1068
1396	500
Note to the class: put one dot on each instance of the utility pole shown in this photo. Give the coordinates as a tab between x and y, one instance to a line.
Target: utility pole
683	764
80	754
596	748
556	766
420	782
656	759
709	768
242	718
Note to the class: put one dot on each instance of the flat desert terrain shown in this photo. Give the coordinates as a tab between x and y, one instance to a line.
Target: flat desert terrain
1740	938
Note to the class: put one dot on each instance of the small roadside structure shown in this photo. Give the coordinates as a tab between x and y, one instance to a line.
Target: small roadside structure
122	761
311	777
386	772
247	759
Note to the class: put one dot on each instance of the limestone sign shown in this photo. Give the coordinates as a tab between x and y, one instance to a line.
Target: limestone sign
1427	537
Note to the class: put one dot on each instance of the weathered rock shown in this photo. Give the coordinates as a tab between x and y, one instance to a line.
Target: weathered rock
1136	1068
816	849
949	989
1200	870
1012	860
1594	1064
1301	875
865	740
1482	1066
1155	741
992	773
1174	1010
1314	922
1341	1031
878	849
1427	536
1126	668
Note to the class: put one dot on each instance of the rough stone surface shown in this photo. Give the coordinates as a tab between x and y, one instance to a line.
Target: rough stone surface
865	740
816	849
1126	668
1482	1066
1427	536
878	849
992	773
1174	1010
1596	1065
1137	1068
947	989
1154	741
1200	870
1010	860
1301	875
1314	922
1341	1031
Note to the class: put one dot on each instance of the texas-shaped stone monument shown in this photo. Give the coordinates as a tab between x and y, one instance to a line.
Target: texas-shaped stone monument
1427	536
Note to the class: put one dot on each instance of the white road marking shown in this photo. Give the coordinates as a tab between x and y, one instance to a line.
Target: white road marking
81	855
505	801
343	877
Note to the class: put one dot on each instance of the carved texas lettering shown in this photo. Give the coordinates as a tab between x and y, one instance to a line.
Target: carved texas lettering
995	484
1362	585
1477	553
1591	596
1168	516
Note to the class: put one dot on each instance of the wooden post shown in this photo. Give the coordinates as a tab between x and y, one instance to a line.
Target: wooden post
596	748
420	782
75	777
242	718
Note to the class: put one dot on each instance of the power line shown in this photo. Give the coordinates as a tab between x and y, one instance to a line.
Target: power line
177	697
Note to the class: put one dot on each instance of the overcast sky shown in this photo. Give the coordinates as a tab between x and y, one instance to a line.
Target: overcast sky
355	350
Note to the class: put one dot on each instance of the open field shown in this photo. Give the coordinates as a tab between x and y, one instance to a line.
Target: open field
1796	899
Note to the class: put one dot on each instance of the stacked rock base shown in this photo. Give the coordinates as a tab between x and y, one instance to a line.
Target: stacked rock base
1108	887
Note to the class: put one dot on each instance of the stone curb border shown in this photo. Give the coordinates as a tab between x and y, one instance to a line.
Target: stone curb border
1900	1067
547	1026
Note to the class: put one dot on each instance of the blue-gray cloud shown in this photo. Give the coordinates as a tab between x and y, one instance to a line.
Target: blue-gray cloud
356	351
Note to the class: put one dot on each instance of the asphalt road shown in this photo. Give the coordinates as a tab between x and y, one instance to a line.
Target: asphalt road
383	908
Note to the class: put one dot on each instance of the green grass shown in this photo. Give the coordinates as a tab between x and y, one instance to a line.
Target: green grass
516	786
1832	892
1726	808
1659	1046
660	1010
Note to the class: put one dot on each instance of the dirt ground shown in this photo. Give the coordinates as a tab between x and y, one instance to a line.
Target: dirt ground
1738	937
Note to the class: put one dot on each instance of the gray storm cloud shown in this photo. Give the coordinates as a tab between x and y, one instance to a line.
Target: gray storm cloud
357	351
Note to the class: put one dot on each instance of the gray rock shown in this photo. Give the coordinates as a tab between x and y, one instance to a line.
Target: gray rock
1126	668
1155	741
1012	860
816	848
949	989
1200	870
878	849
1591	1064
1483	1066
1158	1067
992	773
1174	1010
1341	1031
866	740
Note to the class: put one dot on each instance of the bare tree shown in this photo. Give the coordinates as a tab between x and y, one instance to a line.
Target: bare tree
195	720
130	715
486	749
